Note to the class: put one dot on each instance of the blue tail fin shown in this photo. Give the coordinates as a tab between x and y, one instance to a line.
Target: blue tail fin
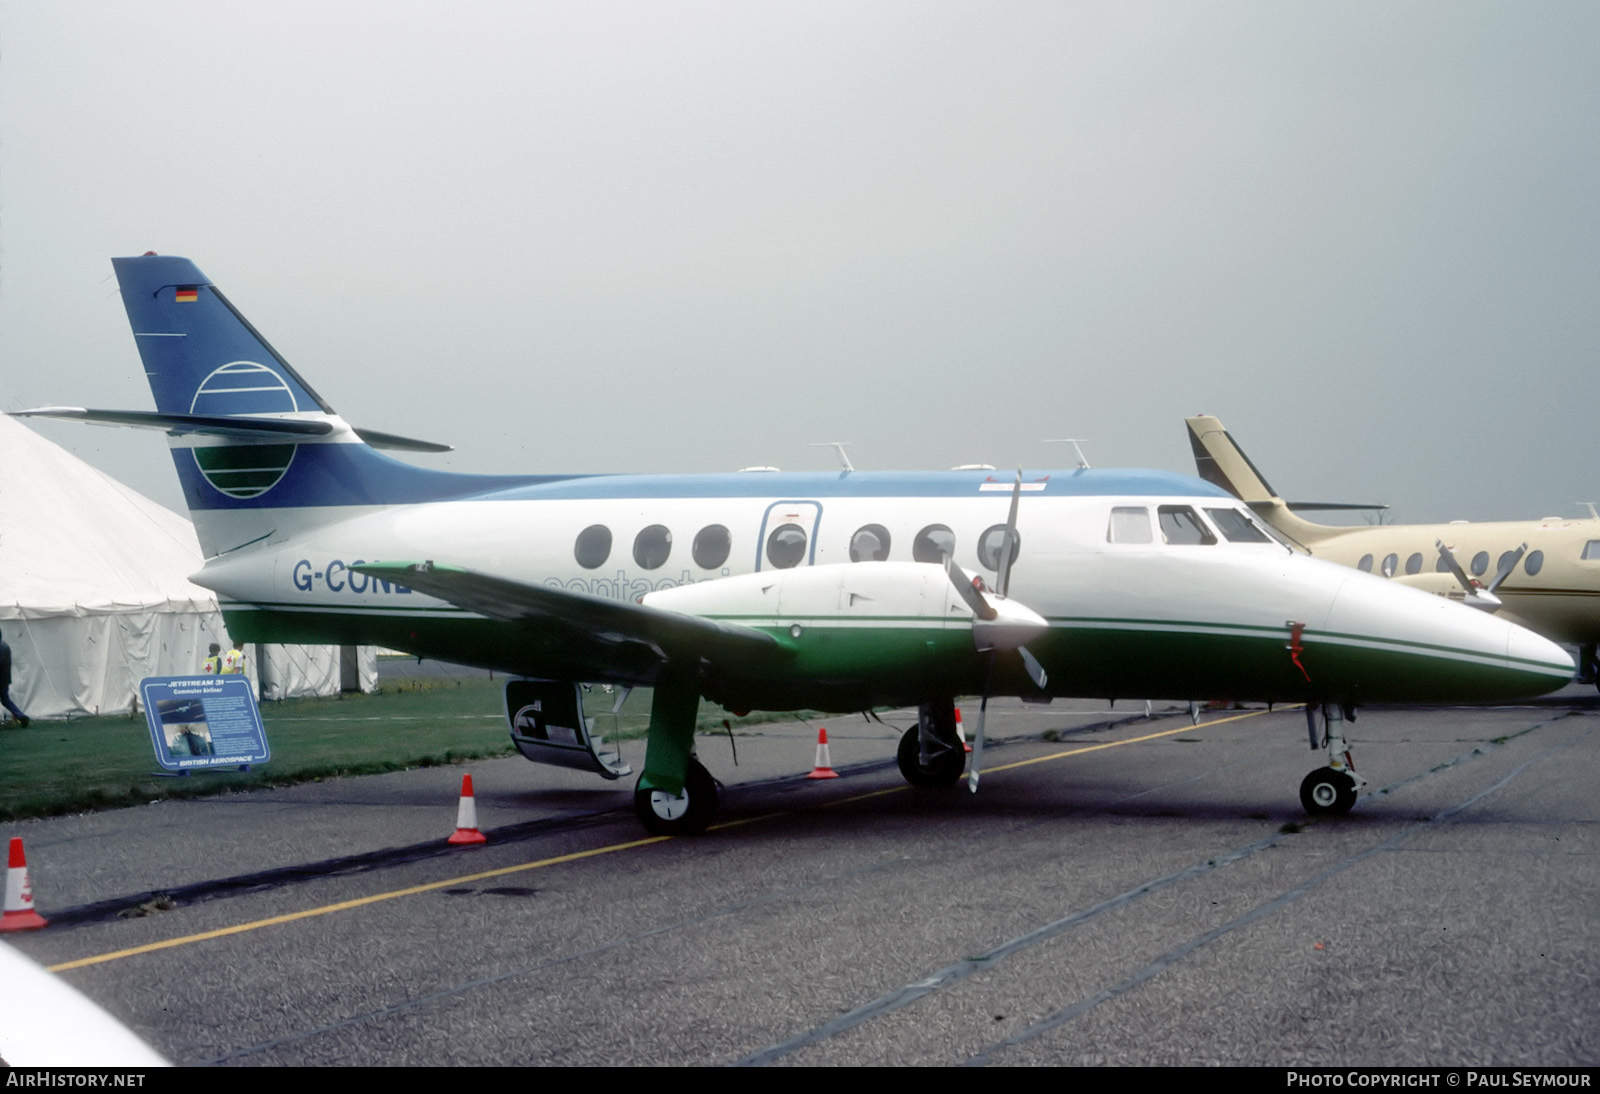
207	365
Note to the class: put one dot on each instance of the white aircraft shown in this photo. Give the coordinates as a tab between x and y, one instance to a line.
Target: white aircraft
837	591
1545	575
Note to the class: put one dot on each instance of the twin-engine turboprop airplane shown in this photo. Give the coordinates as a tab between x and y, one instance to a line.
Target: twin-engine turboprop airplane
1543	574
839	592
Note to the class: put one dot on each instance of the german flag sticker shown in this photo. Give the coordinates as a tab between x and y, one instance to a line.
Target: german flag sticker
188	295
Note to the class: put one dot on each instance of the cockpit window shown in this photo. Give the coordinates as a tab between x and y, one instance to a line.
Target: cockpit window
1236	527
1130	524
1181	525
1591	549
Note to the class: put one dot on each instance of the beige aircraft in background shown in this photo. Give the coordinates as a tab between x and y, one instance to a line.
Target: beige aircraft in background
1544	574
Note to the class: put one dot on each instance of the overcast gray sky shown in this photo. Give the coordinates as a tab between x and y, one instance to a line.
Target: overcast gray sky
693	237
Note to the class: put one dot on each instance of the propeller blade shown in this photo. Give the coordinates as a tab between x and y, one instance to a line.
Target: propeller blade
1008	546
1449	557
1477	596
969	592
977	749
1036	671
1505	571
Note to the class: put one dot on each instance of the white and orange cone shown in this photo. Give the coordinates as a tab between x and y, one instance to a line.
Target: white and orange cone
824	768
961	733
19	914
467	816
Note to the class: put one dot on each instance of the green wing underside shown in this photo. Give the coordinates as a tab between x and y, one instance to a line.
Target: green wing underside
668	636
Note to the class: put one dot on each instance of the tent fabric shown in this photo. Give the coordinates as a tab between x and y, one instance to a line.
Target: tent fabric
94	593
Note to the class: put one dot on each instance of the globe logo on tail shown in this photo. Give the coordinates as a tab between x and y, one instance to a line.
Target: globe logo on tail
242	469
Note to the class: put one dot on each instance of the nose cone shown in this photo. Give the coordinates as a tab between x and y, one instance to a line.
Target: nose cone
1388	643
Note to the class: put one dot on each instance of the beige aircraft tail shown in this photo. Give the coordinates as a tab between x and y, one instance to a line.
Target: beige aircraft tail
1220	461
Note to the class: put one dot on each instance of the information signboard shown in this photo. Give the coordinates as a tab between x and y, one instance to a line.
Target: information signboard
200	722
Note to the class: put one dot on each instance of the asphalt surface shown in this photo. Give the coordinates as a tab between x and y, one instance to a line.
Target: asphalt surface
1130	892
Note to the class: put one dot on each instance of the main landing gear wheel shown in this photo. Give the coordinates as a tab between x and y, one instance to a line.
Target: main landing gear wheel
944	767
1326	791
685	814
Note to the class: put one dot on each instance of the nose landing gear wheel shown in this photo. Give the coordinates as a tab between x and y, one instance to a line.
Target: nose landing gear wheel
1328	792
685	814
944	767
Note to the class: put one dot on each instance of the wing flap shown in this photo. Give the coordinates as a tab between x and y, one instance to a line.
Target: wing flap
671	635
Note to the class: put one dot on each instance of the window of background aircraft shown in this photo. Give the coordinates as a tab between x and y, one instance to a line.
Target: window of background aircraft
711	546
1414	563
1365	564
1591	549
593	546
1181	525
870	544
933	544
1480	563
1390	564
1533	563
1236	527
786	546
992	543
1130	524
652	546
1508	561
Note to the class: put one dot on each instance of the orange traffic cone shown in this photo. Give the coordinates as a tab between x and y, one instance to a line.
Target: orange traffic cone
824	768
467	816
961	733
19	914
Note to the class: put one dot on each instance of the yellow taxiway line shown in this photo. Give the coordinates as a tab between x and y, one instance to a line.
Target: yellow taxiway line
395	894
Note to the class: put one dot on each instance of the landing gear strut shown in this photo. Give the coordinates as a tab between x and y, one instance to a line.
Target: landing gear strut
930	753
1331	790
686	814
675	796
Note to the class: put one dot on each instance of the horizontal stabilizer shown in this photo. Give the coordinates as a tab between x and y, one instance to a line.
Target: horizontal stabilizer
206	424
235	427
1329	506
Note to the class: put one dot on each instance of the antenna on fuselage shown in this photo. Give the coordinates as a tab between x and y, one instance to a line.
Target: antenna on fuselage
1083	464
839	447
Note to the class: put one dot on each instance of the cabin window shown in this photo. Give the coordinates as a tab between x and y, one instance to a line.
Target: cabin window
1181	525
935	543
786	546
1442	565
652	546
870	544
1390	564
593	546
1533	563
1129	524
1414	563
992	546
1236	527
711	546
1507	563
1480	563
1591	550
1365	565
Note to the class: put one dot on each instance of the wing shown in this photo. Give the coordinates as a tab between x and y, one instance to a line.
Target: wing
608	626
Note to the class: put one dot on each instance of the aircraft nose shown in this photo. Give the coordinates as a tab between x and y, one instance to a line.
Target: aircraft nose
1415	647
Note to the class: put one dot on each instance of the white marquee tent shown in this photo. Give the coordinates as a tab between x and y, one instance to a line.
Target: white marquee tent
94	594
